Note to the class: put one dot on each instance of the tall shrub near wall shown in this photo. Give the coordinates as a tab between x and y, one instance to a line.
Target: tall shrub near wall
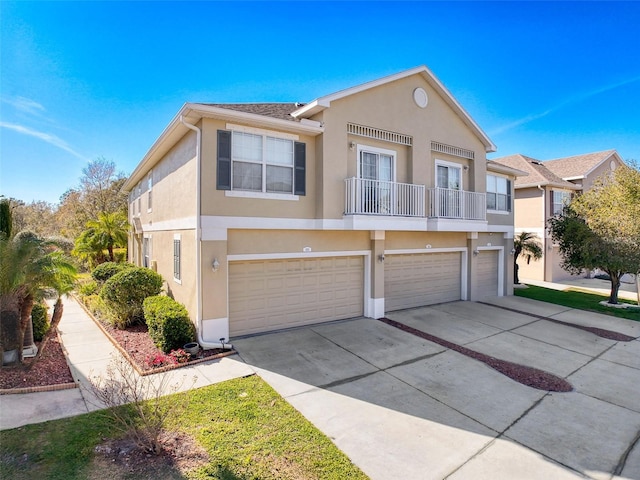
124	293
168	322
106	270
40	321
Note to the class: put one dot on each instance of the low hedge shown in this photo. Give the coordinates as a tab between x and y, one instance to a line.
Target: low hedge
40	321
124	293
168	322
106	270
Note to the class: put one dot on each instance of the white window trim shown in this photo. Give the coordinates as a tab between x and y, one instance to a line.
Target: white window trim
262	195
149	239
511	194
553	202
177	236
445	163
383	151
139	198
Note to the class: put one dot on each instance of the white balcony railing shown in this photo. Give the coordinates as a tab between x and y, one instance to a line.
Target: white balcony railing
447	203
374	197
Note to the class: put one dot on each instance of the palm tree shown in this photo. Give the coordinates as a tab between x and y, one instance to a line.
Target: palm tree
30	267
109	230
525	243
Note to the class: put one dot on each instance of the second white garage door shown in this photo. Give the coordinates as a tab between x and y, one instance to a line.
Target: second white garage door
415	280
487	274
273	294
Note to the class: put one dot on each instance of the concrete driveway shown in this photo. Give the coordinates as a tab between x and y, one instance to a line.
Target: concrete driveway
403	407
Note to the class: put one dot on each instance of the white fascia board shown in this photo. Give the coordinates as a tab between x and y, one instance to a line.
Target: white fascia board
549	184
193	112
154	153
209	111
613	154
499	168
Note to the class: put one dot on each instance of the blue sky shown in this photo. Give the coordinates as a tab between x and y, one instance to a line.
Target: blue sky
82	80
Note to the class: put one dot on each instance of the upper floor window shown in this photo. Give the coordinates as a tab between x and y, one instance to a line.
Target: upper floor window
149	188
559	200
139	194
258	162
261	163
498	193
376	164
448	175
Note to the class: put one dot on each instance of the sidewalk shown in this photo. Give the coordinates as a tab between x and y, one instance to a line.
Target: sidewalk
89	352
603	287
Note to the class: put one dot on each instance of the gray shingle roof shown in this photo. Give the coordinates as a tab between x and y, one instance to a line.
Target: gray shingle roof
539	174
281	111
577	165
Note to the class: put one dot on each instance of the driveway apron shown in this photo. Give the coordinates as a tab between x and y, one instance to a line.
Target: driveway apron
401	406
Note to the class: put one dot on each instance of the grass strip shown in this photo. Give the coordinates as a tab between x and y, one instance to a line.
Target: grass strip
247	429
577	299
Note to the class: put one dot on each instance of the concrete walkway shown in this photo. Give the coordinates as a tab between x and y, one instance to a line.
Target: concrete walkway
89	352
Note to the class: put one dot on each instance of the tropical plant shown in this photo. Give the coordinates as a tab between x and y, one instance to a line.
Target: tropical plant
30	268
525	243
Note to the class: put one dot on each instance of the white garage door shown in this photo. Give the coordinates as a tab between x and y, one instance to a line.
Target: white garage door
415	280
487	285
272	294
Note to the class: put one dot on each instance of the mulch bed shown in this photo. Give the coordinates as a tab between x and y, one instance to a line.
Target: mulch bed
137	343
50	369
532	377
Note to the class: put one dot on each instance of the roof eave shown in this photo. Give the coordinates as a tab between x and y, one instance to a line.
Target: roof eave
324	102
500	168
549	184
193	112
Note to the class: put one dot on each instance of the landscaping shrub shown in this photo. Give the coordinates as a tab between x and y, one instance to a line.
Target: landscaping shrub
106	270
89	288
124	293
168	322
40	321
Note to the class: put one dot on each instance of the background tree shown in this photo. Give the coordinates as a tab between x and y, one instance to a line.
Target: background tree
601	228
99	192
110	230
525	243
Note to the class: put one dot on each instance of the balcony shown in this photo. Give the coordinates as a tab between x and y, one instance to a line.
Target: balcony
375	197
457	204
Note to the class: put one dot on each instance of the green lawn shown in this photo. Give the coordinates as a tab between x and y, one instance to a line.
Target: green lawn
247	429
577	299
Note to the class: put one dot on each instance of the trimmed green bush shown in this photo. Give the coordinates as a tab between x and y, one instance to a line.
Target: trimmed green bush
124	293
89	288
168	322
106	270
40	321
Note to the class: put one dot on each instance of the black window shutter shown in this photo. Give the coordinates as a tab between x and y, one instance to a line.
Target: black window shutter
508	195
300	162
224	160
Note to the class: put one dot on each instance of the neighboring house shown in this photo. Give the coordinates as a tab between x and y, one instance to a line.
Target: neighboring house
371	199
543	193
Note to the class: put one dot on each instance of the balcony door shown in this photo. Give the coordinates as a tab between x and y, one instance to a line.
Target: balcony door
376	170
449	193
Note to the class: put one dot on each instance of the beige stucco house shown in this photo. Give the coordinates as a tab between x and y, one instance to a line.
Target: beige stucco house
543	193
371	199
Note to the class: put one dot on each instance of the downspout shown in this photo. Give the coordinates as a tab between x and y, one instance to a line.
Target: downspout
203	343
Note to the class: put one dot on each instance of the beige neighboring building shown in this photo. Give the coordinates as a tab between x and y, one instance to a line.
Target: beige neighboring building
543	193
371	199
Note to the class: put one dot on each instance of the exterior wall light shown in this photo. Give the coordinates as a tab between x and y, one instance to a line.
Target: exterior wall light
381	258
215	265
476	252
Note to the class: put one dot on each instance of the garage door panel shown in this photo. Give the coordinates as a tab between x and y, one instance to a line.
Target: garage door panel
272	294
487	269
414	280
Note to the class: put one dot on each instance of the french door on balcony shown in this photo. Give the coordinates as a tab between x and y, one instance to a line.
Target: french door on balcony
449	193
376	169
